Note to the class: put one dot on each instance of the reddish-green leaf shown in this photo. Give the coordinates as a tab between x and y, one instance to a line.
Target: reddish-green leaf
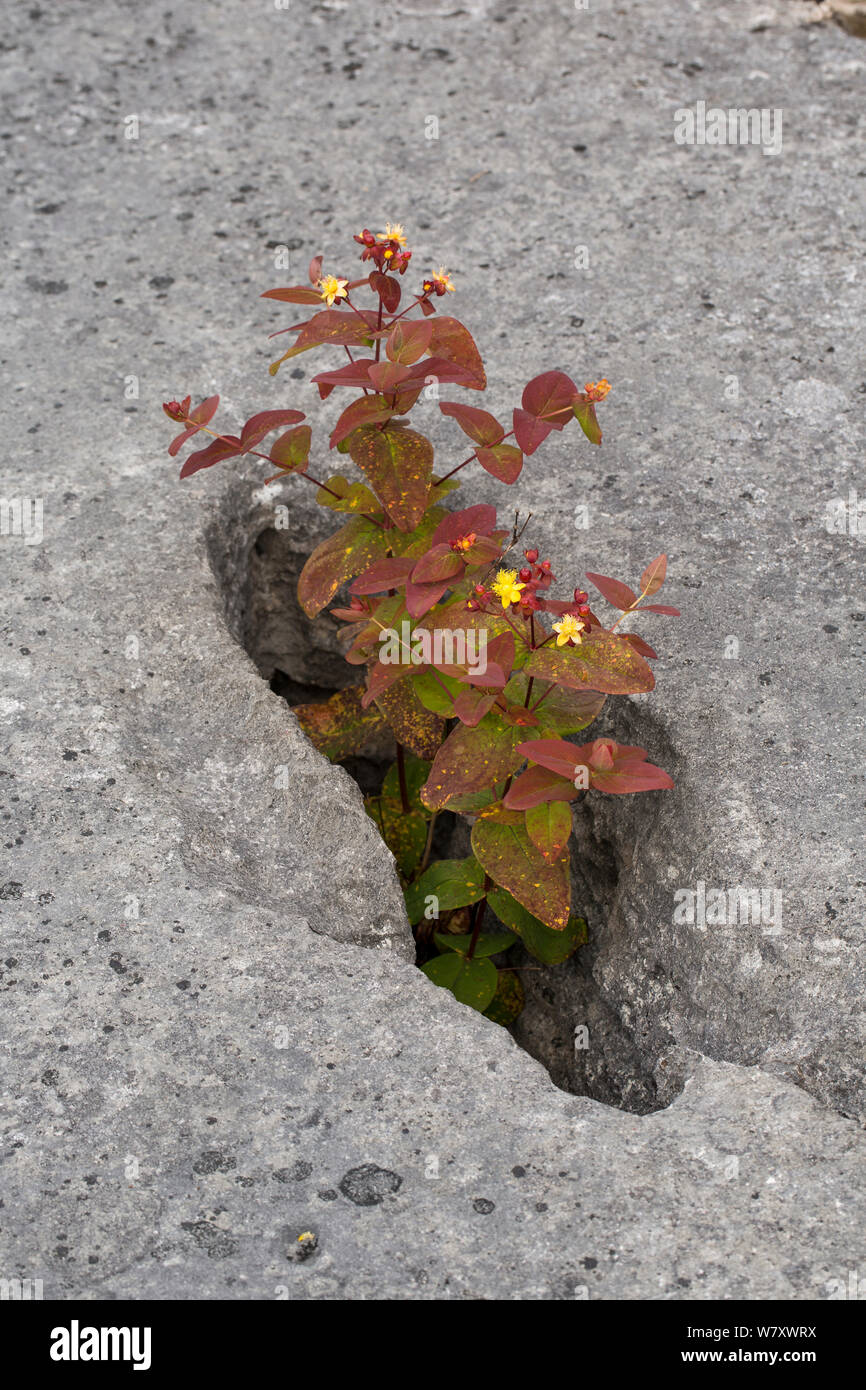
417	728
351	497
336	326
562	711
366	410
555	754
603	661
503	461
653	576
661	608
339	727
620	595
451	340
551	947
548	826
503	848
291	452
259	425
399	464
295	294
355	373
408	340
584	414
349	551
481	427
471	760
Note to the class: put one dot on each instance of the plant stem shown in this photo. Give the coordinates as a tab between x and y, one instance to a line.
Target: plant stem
428	848
401	773
528	692
477	919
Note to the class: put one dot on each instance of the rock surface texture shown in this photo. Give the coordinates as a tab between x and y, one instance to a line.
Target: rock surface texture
215	1039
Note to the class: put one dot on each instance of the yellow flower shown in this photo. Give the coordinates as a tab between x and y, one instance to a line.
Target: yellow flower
393	233
597	390
506	588
568	629
306	1235
332	288
444	279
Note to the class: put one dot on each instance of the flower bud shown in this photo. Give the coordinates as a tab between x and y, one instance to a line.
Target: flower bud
531	555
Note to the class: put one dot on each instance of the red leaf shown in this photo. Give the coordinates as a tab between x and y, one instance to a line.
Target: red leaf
440	562
620	595
481	519
388	290
471	705
367	410
386	376
420	598
445	373
220	449
335	326
408	341
352	374
481	427
641	646
259	425
603	661
529	431
381	676
536	785
294	294
550	397
653	576
455	343
503	461
383	575
553	753
661	608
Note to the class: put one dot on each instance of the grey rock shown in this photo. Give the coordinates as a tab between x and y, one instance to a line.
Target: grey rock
192	1004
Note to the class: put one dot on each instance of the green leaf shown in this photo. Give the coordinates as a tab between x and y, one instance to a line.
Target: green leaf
342	556
472	982
503	848
339	727
417	771
488	943
473	759
563	711
548	826
428	688
291	452
454	882
603	661
399	463
404	833
351	497
550	947
508	1001
584	414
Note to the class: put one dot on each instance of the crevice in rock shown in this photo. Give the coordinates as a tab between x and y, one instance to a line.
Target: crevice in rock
571	1024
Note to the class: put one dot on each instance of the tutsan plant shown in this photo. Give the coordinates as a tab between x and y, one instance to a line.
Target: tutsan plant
469	662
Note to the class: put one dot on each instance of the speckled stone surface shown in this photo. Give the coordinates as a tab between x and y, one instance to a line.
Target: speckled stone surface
202	1056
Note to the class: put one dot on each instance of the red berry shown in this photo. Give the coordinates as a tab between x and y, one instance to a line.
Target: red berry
525	574
531	555
545	565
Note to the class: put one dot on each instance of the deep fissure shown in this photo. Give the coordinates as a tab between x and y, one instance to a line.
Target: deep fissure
567	1023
